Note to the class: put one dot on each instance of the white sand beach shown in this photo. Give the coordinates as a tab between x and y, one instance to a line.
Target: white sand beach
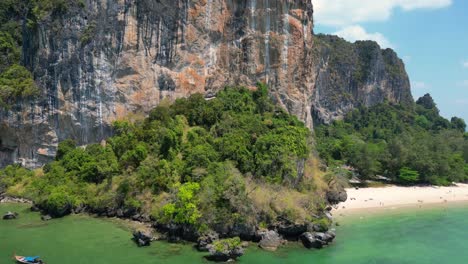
394	197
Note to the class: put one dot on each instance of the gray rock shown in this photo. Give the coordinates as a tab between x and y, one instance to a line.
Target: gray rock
291	230
142	238
35	208
10	216
46	217
270	241
336	194
206	240
132	70
317	239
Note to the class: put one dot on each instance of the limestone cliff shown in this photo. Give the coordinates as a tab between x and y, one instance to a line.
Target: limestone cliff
349	75
102	60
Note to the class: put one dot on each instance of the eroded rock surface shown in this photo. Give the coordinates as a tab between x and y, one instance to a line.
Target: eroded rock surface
109	60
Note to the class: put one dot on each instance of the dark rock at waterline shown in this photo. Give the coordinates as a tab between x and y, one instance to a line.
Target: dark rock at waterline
144	218
35	208
204	241
79	209
10	216
244	231
142	238
176	233
270	241
46	217
291	230
317	239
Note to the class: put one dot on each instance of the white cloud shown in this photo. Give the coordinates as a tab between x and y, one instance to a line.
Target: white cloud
465	64
356	32
419	85
346	12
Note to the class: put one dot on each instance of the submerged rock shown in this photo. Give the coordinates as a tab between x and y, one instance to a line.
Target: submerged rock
270	241
142	238
10	216
46	217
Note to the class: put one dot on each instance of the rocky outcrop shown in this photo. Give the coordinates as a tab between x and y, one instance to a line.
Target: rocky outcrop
270	241
101	61
46	217
348	75
142	238
225	251
9	199
10	216
204	241
317	239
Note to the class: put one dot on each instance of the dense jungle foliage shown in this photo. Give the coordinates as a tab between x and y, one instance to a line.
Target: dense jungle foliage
232	159
408	144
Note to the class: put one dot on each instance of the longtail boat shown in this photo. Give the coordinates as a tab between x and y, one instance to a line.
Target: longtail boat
28	260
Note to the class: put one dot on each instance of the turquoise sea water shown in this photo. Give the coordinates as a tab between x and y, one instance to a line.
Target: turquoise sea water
436	236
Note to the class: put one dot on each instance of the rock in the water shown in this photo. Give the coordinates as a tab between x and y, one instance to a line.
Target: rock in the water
318	239
46	217
225	250
35	208
205	240
270	241
10	216
142	238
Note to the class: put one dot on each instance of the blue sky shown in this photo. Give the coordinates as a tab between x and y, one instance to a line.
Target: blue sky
431	36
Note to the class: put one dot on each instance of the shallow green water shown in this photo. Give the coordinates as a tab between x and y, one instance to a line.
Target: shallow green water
435	236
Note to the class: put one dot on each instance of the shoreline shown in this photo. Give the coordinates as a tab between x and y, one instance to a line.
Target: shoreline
378	200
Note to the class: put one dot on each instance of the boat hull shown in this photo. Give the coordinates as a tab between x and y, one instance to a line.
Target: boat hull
21	259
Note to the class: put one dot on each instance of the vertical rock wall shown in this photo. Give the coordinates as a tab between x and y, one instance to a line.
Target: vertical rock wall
111	59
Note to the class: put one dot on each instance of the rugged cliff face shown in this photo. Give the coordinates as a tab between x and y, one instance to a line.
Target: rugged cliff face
349	75
102	60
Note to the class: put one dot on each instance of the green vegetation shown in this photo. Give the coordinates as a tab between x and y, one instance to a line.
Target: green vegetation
16	82
226	245
233	159
408	144
88	33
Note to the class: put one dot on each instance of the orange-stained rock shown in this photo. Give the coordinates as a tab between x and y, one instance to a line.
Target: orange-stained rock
143	51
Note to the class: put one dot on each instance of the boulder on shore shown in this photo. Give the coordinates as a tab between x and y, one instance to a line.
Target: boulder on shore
317	239
270	241
336	195
142	238
10	216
